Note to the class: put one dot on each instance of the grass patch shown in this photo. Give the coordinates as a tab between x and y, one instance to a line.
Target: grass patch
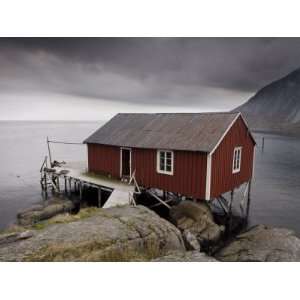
93	251
12	229
68	218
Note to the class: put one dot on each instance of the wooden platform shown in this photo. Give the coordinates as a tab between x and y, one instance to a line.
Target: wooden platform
81	174
121	192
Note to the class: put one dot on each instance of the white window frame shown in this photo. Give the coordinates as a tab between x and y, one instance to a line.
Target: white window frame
158	170
236	167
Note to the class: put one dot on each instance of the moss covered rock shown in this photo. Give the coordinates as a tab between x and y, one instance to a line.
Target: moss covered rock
115	234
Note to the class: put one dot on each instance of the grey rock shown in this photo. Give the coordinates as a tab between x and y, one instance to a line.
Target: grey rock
115	234
198	220
39	213
15	236
188	256
190	241
262	243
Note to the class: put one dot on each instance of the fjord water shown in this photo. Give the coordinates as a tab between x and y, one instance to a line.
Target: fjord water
22	151
275	190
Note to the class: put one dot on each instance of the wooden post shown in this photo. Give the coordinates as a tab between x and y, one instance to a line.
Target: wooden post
57	183
230	210
248	200
45	181
80	191
99	197
70	186
66	190
53	181
50	158
263	144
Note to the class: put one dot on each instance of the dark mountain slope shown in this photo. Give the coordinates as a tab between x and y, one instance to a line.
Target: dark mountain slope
276	107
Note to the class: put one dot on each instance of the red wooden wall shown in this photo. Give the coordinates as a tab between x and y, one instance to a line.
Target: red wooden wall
222	178
189	169
104	159
189	172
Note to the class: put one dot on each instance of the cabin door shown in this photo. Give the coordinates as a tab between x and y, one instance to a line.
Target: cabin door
125	162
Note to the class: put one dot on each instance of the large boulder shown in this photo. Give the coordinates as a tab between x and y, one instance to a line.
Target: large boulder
188	256
40	212
262	243
197	219
115	234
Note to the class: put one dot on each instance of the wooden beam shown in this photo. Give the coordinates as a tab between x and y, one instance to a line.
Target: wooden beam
161	201
225	209
158	204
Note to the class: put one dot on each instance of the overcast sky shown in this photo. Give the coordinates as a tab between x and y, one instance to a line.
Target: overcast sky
94	78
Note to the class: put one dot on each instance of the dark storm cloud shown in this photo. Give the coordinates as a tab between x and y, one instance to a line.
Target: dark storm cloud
146	70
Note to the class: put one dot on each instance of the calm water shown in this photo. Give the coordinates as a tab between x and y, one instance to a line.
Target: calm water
22	150
275	191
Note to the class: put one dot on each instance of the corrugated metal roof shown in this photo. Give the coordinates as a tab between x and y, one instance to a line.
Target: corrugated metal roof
177	131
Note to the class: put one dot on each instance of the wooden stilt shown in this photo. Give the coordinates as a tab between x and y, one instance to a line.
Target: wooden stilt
248	200
66	189
70	186
49	151
230	210
99	197
80	191
45	182
53	182
57	183
263	144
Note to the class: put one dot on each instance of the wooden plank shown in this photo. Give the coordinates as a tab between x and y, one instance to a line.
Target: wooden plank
117	197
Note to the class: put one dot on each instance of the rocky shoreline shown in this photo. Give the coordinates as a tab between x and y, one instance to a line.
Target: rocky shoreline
129	233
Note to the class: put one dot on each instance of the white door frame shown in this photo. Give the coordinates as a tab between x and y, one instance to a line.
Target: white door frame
121	160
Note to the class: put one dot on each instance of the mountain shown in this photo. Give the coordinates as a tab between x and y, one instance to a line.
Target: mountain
276	107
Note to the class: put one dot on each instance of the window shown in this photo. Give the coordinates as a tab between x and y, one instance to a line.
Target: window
165	161
237	157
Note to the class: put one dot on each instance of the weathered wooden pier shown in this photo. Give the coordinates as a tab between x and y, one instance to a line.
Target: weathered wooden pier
64	178
61	177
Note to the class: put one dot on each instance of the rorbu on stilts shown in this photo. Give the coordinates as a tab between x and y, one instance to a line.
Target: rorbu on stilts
169	156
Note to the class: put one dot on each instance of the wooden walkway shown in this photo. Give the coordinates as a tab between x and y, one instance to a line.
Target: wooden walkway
103	181
121	193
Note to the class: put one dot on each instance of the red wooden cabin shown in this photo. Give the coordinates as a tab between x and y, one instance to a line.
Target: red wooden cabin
199	155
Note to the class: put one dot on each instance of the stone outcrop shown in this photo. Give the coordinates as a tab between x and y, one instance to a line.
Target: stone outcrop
197	219
188	256
41	212
262	243
114	234
190	241
11	237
